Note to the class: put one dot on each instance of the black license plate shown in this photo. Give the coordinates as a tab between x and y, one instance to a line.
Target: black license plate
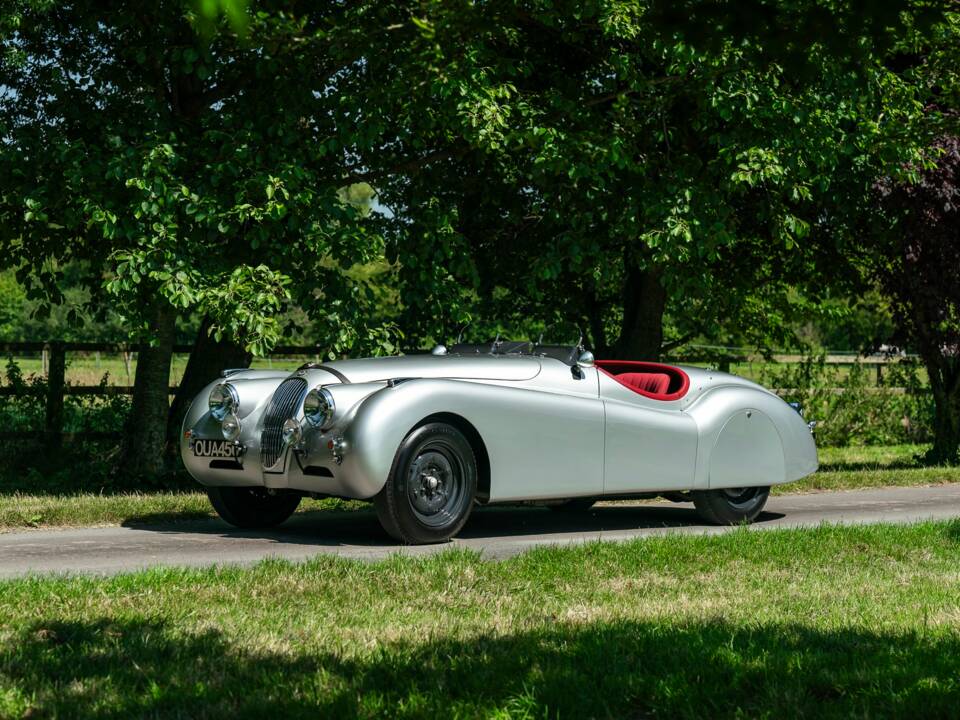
215	449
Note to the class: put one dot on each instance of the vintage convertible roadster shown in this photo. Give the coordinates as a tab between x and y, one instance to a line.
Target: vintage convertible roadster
426	437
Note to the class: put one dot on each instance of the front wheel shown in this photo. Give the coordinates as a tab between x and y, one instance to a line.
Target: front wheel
429	493
730	506
252	507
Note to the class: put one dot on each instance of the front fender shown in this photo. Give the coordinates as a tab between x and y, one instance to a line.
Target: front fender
254	388
380	422
539	444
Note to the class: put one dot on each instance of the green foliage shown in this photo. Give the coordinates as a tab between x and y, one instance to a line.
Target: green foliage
25	410
81	315
190	166
857	322
27	463
555	149
850	409
13	300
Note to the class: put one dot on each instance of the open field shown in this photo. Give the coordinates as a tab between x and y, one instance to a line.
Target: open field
89	369
828	622
22	506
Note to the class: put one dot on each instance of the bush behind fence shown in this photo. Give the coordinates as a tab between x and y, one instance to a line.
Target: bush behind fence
851	408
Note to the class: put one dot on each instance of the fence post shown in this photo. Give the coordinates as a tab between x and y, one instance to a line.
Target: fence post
724	364
879	375
56	376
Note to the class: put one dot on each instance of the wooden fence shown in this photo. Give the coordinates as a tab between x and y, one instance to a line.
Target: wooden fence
54	363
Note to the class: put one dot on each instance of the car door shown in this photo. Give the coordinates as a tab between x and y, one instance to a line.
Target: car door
649	445
545	436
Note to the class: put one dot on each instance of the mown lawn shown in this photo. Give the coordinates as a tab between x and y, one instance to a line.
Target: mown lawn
841	469
827	622
20	510
869	466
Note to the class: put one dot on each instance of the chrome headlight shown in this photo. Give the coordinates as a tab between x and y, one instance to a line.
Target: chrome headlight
318	407
230	427
223	400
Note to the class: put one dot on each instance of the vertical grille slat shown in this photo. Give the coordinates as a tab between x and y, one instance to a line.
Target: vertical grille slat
283	405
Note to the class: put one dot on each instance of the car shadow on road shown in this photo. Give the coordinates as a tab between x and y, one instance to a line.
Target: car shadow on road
360	528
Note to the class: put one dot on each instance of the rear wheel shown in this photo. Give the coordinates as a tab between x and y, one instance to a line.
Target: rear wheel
730	506
429	493
253	507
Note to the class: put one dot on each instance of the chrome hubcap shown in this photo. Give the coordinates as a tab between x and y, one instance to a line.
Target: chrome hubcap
435	485
431	481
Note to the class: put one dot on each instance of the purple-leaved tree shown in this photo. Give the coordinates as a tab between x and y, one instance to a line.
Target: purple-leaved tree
921	275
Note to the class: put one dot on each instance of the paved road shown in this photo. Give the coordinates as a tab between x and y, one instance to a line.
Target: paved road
496	532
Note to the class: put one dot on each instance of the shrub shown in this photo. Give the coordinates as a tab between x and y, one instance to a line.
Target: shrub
84	464
850	409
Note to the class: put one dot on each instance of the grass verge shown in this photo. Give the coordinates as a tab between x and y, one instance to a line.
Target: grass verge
826	622
853	468
19	510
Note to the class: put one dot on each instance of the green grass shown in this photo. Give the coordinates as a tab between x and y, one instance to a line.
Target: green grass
841	469
851	468
19	510
828	622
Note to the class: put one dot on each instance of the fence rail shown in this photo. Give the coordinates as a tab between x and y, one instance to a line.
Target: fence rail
54	354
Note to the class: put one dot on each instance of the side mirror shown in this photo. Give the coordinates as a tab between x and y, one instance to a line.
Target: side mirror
586	359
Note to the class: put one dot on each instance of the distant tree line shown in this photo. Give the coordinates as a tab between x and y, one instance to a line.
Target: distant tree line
388	173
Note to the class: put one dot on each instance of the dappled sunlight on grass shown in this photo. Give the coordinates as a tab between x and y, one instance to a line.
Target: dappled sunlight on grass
835	622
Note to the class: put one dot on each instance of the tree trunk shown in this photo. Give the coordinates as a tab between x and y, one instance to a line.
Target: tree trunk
644	300
944	375
208	359
142	454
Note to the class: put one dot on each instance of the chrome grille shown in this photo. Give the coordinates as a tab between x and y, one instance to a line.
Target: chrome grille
283	405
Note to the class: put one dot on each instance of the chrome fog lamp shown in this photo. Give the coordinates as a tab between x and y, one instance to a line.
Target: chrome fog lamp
230	427
291	432
318	407
223	400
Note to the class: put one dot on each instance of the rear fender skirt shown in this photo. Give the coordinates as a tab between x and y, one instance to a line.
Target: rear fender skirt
749	436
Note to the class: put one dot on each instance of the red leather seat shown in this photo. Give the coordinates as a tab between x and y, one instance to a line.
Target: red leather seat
652	380
653	383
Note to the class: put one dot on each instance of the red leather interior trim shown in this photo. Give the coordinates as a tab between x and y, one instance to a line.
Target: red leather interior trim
677	387
656	383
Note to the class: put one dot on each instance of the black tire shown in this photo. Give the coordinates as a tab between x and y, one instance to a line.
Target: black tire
252	507
429	493
731	506
574	505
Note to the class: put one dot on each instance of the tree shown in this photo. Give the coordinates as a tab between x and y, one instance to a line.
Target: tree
591	162
919	269
198	166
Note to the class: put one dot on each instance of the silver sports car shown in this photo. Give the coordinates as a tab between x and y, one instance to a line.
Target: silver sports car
426	437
